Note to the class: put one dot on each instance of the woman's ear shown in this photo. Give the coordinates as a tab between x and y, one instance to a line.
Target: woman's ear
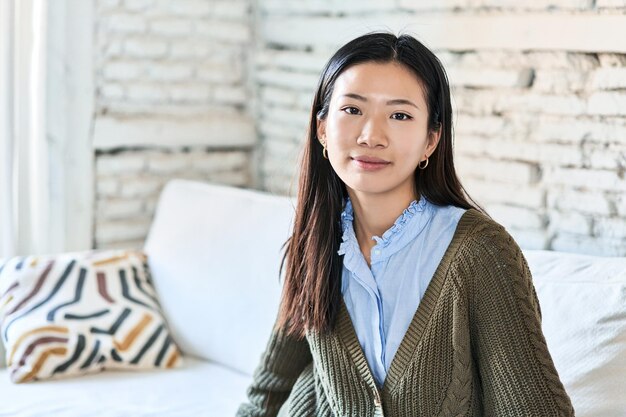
321	129
433	141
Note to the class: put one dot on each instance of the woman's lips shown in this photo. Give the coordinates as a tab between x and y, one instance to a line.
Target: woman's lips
369	163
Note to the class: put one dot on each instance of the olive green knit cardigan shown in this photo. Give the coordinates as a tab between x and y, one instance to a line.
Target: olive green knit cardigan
474	348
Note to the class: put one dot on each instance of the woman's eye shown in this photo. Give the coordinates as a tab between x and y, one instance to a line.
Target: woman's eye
402	116
351	110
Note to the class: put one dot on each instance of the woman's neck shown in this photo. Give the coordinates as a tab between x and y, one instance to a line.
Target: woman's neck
374	214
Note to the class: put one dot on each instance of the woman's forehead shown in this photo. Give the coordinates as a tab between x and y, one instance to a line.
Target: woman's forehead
379	81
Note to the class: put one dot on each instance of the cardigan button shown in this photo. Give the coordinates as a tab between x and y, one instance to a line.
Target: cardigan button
377	401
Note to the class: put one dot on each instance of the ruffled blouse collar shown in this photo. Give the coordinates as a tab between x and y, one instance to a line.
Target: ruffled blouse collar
406	227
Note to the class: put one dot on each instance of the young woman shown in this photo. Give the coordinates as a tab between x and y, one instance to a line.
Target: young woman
400	298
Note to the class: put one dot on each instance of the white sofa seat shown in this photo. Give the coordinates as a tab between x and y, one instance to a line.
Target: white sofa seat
200	388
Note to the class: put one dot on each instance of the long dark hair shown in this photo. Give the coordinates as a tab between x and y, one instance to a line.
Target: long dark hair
312	286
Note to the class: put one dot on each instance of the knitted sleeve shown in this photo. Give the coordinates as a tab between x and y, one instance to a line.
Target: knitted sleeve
282	362
517	374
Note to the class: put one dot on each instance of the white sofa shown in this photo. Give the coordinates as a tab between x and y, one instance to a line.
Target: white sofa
215	252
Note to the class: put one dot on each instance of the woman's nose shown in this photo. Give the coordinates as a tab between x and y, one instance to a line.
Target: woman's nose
373	134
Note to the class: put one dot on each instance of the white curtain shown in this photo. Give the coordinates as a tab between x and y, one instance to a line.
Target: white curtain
24	179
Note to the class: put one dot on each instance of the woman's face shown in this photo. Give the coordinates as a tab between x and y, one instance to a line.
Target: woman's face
376	128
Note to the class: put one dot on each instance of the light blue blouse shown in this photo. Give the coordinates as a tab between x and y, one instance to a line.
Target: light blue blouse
383	300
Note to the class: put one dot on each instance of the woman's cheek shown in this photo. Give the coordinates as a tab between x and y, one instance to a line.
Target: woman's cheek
349	134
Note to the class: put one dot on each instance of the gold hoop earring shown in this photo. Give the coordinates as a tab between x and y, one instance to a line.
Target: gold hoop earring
419	165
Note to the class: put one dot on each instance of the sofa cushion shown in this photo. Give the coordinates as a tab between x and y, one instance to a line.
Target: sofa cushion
196	389
215	254
583	305
81	312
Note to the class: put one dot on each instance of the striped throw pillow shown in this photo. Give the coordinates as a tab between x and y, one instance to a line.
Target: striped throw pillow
82	312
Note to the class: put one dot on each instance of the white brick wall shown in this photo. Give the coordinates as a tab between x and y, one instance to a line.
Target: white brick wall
540	123
171	102
129	183
155	52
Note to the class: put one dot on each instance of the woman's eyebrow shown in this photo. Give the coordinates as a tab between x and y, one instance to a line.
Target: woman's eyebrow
389	103
355	96
402	101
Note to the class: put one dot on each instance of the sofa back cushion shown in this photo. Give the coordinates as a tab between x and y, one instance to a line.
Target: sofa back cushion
583	306
215	253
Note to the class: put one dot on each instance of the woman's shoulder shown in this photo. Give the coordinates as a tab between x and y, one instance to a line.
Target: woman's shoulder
481	225
475	235
487	256
483	236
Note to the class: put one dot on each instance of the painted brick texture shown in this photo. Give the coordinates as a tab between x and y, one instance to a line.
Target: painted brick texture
171	102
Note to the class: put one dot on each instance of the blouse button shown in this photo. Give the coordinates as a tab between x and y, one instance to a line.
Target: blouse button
376	252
